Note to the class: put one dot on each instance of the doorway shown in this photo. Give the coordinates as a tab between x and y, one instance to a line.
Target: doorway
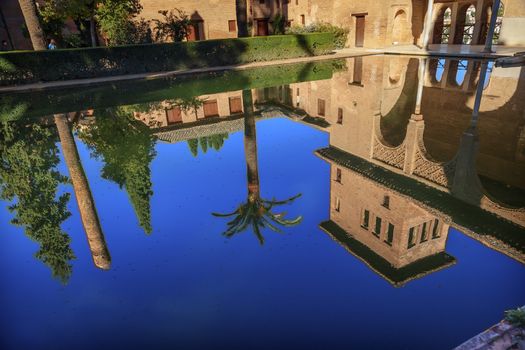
359	30
262	27
194	31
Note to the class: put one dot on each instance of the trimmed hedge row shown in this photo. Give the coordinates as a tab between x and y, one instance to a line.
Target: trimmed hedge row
27	104
52	65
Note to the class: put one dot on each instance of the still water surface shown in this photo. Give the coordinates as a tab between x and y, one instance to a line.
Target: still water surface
401	227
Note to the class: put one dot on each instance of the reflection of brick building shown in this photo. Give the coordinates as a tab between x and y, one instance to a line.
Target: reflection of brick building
393	235
172	112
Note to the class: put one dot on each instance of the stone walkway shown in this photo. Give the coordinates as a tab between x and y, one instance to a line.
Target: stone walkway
411	50
502	336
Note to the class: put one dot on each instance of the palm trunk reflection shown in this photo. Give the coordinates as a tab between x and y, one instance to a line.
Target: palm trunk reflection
255	212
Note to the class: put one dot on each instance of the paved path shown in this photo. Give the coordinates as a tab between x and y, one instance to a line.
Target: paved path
411	50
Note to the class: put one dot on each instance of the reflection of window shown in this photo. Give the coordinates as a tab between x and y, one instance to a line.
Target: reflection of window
386	202
340	116
174	115
366	219
440	69
377	229
390	234
232	26
211	109
321	107
424	233
411	237
235	105
337	206
461	72
358	70
435	232
338	175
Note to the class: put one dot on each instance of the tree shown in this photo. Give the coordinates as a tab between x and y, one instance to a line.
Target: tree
242	18
29	158
34	27
127	149
116	20
255	212
174	26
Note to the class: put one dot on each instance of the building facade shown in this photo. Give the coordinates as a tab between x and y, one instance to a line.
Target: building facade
371	24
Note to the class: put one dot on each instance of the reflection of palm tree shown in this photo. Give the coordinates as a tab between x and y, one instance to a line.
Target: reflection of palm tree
86	204
256	212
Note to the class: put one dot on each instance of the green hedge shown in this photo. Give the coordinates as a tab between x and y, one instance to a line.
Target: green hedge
27	104
52	65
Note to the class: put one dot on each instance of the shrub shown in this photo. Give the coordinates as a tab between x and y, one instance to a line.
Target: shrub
52	65
279	24
174	26
516	317
340	34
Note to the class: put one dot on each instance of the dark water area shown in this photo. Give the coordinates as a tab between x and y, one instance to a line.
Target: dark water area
144	214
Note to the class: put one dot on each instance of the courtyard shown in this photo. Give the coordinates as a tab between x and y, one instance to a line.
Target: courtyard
293	174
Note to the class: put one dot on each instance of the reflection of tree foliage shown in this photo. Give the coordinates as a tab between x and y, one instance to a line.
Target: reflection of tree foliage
127	148
206	142
29	177
257	214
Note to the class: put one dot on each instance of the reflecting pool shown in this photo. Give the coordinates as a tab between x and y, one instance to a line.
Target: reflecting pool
376	202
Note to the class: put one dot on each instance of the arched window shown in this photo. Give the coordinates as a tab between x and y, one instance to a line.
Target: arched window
497	28
447	19
485	22
468	27
441	33
461	72
490	67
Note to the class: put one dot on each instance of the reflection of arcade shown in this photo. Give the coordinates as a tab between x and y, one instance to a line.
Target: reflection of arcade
392	205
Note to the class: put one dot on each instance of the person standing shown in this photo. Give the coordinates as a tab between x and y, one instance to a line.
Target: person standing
52	44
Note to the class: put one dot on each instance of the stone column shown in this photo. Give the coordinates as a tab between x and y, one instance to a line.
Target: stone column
492	25
420	85
415	129
479	93
86	204
428	23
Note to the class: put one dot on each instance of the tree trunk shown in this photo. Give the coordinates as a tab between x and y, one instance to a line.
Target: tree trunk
33	24
242	18
86	204
93	32
250	147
